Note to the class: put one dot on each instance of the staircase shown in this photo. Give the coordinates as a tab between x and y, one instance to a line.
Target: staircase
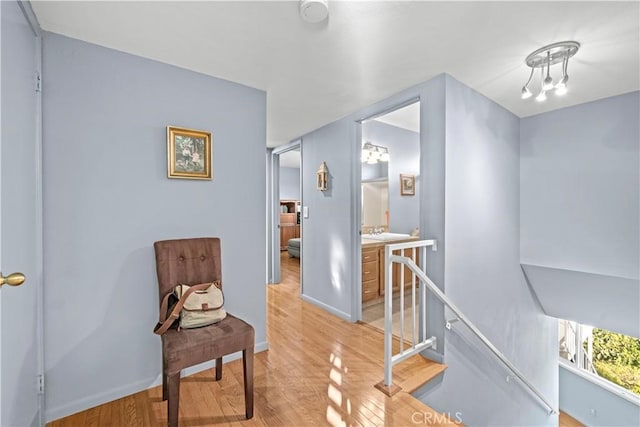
412	370
411	375
415	372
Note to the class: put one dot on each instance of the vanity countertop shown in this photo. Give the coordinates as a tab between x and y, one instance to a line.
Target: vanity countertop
372	243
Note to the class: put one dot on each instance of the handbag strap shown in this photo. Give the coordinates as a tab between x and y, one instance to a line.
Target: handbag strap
165	323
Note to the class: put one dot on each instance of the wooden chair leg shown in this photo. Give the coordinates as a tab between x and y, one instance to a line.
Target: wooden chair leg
165	390
174	399
218	368
247	367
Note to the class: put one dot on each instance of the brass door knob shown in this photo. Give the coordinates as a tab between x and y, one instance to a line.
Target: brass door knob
14	279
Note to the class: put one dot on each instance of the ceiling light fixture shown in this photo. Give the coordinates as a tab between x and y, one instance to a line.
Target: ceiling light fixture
542	96
372	154
561	87
314	11
547	56
526	93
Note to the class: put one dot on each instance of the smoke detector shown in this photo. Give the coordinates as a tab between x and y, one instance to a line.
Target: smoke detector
314	11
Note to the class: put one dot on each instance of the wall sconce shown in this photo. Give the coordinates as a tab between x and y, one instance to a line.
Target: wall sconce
322	177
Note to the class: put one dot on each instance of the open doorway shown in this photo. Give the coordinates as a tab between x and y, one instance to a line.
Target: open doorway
285	221
290	214
390	209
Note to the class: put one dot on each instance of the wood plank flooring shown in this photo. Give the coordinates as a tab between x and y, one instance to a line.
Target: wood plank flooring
319	370
566	420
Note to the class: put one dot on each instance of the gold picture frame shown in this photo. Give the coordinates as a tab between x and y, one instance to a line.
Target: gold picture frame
407	185
188	153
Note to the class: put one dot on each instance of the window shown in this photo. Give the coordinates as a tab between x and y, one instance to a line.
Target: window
608	355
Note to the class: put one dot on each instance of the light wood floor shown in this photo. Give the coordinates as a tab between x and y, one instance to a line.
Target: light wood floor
566	420
374	315
319	370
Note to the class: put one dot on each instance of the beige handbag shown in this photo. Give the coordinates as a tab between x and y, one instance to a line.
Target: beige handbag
198	305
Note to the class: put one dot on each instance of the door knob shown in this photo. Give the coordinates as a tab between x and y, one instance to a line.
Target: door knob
14	279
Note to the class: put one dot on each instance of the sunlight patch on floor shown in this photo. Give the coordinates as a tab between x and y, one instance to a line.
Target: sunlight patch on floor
338	406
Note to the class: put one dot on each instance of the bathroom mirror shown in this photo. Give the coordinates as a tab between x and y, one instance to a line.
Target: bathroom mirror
375	204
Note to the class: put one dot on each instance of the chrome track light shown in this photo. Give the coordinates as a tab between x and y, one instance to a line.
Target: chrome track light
547	56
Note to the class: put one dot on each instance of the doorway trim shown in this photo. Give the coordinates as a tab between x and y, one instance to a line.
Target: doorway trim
273	211
38	280
357	200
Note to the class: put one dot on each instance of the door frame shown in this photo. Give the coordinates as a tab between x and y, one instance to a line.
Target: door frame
356	209
273	216
38	280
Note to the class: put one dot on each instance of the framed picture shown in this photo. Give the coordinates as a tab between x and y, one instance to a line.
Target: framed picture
407	185
188	153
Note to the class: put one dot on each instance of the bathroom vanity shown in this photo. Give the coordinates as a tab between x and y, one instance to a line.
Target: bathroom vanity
373	268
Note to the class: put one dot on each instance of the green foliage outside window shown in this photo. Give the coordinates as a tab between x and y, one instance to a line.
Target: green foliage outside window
616	357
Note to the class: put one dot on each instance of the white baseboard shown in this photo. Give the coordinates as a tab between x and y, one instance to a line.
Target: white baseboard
341	314
87	402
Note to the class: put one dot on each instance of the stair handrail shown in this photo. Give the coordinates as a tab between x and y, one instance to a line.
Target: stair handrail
460	316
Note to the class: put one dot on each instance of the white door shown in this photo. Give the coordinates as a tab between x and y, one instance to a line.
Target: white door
20	220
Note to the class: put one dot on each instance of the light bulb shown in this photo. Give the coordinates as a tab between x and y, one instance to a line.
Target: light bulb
384	157
542	96
562	82
372	161
364	156
561	90
547	83
526	93
375	155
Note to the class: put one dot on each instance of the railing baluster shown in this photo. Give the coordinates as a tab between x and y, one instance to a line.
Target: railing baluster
413	301
401	303
391	252
388	317
426	284
423	293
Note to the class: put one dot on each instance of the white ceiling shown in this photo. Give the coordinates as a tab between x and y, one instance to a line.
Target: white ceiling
366	50
406	117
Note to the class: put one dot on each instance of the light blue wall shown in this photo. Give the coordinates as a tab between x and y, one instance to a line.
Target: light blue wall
289	183
404	152
580	187
580	216
483	274
330	265
593	405
328	234
19	179
432	209
108	198
474	144
375	171
587	298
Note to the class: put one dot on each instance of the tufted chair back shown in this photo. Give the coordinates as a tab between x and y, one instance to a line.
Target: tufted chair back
187	262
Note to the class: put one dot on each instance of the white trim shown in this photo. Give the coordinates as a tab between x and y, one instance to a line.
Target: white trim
273	231
0	217
339	313
273	263
386	106
30	16
135	387
39	229
356	225
602	382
